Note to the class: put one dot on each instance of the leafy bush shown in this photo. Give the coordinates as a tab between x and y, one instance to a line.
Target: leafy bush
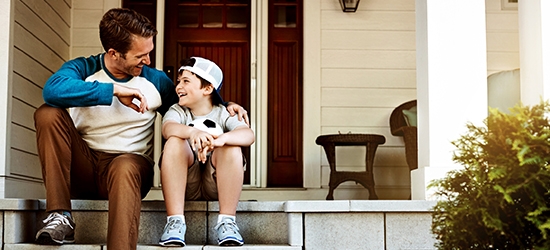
500	199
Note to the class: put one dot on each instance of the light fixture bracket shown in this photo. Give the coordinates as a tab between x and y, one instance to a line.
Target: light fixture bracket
349	5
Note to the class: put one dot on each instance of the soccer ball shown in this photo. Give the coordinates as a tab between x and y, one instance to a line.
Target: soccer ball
207	126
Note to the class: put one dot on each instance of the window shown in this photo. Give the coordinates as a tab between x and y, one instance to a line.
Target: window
231	14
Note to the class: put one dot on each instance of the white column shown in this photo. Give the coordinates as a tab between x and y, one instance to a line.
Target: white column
451	73
534	38
6	59
312	89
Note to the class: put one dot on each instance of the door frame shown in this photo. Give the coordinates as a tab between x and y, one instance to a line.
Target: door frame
312	68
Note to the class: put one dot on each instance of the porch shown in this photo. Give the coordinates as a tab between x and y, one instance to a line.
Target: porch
293	224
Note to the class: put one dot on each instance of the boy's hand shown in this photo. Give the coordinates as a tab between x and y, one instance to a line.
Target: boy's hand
127	95
201	155
201	142
234	108
219	141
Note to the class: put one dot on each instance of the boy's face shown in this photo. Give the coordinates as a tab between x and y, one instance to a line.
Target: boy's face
189	90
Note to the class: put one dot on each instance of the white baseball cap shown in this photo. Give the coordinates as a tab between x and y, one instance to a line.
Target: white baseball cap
208	71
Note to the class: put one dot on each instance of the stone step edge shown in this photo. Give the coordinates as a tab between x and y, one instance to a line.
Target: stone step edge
291	206
30	246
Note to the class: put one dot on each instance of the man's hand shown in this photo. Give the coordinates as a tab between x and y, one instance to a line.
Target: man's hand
234	108
127	95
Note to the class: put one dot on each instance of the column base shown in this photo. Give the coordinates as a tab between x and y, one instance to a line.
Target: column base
422	177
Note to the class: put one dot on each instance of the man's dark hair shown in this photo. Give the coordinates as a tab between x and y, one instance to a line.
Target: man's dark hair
119	25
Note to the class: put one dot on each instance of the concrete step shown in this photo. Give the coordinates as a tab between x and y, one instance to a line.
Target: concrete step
259	222
311	224
26	246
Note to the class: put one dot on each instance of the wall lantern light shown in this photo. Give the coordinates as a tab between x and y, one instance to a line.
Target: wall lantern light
349	5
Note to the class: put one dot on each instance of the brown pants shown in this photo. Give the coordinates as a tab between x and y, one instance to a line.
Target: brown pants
72	170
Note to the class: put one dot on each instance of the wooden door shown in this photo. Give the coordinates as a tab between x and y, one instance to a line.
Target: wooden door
218	30
285	163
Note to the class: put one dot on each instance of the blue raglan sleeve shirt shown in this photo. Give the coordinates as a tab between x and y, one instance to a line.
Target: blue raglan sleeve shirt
67	87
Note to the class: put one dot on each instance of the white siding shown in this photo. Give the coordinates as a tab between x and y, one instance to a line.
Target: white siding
368	63
368	68
45	35
86	17
41	40
502	37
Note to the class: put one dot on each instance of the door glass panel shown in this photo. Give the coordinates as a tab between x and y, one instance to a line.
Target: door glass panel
188	16
212	17
237	17
286	17
219	14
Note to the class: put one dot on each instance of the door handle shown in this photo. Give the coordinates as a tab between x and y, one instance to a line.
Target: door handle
169	71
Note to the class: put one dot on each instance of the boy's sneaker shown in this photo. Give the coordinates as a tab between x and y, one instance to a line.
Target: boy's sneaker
228	233
174	233
59	229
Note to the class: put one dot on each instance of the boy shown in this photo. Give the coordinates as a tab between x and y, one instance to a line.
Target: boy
199	166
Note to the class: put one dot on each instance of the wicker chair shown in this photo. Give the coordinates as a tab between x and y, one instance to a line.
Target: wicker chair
399	127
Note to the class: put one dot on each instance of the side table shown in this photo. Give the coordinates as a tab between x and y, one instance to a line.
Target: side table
370	141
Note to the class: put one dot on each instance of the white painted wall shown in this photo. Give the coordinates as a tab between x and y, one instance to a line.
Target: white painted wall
41	40
367	69
85	32
6	39
502	37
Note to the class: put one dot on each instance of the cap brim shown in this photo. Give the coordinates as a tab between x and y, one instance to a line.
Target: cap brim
217	95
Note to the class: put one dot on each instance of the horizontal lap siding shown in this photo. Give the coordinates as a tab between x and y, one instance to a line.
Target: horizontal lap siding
52	17
502	38
41	40
368	68
373	78
34	24
27	91
86	27
368	97
368	63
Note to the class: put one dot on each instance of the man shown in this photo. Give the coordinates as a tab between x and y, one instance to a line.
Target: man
95	130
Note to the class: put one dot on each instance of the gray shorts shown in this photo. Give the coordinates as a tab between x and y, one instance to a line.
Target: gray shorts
201	180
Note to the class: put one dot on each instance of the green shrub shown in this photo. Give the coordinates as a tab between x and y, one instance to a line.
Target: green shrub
500	199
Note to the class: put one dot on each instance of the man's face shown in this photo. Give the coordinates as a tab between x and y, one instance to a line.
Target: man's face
138	55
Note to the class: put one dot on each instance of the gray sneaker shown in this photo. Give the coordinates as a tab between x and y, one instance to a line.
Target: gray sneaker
228	233
174	233
59	229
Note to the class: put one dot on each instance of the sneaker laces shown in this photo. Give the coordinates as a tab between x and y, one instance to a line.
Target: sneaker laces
174	225
55	219
227	226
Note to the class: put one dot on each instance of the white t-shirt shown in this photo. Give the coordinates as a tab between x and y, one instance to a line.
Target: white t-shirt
219	114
